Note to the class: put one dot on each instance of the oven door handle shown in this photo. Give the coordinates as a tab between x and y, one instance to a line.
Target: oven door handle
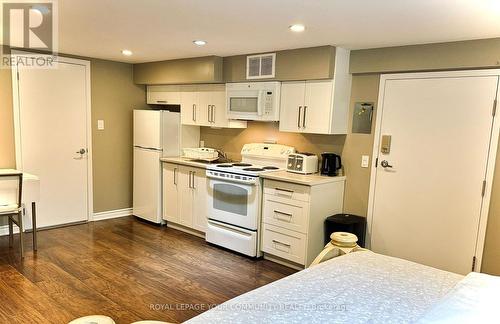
228	228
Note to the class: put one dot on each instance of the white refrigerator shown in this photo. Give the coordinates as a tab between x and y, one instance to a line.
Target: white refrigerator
157	133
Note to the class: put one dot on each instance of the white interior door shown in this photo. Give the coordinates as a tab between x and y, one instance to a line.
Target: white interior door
52	112
427	206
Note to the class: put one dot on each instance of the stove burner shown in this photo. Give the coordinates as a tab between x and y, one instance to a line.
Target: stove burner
224	165
270	168
241	164
253	169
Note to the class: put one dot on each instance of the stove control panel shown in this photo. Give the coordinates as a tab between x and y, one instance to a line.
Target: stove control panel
234	177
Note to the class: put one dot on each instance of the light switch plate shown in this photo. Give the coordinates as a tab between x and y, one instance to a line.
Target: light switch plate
100	124
365	161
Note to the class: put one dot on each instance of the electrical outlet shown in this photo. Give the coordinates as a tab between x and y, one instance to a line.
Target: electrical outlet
100	124
202	143
365	161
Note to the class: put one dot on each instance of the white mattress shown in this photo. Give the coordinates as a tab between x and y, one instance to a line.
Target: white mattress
359	287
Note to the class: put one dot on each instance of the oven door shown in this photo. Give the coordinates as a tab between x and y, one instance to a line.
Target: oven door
244	104
234	203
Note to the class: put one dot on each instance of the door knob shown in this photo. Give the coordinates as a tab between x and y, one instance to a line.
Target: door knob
81	151
384	164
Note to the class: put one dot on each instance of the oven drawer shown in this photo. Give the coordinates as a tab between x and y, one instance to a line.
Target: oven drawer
283	212
284	243
232	237
286	190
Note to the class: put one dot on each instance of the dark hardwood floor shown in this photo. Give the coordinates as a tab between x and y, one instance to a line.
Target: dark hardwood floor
124	268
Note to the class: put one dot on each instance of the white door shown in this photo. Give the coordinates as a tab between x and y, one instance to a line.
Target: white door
147	184
203	116
218	102
292	105
171	192
317	107
200	200
51	126
427	202
186	197
147	129
189	107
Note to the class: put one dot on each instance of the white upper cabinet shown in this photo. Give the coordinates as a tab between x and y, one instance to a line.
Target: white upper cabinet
205	105
292	103
319	107
163	95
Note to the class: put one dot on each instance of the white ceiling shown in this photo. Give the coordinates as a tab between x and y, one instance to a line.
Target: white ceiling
164	29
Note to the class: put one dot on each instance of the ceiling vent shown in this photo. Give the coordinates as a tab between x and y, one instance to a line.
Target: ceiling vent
261	66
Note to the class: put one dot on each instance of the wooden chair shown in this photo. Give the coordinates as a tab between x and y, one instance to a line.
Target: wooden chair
14	210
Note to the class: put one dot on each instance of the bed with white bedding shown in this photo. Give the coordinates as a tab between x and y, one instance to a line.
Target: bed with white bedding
361	287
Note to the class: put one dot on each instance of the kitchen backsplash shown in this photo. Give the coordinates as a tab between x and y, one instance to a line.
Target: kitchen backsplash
231	140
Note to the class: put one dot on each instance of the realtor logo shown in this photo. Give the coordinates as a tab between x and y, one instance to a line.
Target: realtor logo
30	26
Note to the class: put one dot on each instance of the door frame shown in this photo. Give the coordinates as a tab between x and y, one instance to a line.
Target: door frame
17	121
492	152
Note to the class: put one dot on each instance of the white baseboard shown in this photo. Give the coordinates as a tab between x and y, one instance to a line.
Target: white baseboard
4	230
112	214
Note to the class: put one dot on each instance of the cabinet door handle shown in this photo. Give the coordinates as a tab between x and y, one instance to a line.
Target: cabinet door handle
298	119
277	212
161	101
304	121
285	190
213	113
175	176
278	242
192	175
209	113
194	112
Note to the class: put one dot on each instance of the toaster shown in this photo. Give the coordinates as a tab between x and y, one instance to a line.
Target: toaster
304	163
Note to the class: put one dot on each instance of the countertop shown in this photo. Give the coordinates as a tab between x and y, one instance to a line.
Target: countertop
303	179
183	161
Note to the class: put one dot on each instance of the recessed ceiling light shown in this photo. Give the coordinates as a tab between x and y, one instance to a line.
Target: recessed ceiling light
126	52
297	28
199	42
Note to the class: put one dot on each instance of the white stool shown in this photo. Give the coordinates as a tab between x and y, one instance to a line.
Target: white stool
93	319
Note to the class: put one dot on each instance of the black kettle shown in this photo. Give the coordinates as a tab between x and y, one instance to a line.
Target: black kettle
330	164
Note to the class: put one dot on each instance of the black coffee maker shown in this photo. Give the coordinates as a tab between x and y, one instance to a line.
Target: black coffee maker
330	164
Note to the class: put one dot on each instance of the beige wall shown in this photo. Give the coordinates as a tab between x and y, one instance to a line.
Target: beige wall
295	64
232	140
475	54
364	89
7	148
114	95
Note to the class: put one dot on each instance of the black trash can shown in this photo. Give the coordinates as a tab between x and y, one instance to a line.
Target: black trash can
346	223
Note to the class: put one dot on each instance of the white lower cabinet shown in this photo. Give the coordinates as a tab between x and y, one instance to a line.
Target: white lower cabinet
293	216
185	196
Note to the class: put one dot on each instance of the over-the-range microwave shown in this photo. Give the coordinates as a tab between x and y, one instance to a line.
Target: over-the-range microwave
253	101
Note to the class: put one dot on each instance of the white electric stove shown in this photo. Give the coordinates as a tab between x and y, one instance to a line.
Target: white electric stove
235	193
